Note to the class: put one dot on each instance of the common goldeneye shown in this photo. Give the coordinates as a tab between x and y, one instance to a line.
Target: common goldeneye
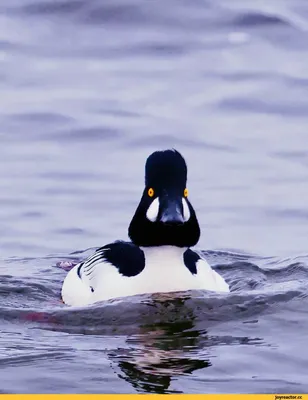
159	258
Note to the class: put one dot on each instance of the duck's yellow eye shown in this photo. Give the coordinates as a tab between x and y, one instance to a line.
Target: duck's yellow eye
186	192
151	192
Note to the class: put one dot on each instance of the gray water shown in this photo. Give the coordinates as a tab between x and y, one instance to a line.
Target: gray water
89	89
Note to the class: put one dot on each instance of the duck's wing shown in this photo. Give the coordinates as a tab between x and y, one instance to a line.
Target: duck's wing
126	257
198	266
100	271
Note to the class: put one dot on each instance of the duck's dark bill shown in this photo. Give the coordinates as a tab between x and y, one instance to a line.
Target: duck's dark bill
171	211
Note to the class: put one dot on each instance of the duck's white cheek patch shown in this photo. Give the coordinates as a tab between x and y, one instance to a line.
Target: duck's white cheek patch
186	212
152	212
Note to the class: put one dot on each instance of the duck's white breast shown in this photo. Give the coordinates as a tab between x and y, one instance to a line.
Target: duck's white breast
164	271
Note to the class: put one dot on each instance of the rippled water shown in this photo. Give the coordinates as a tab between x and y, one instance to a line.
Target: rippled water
89	89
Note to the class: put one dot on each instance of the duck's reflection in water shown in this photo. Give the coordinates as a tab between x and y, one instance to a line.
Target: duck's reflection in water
162	351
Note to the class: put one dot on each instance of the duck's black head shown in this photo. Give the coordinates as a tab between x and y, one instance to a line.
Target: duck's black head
164	215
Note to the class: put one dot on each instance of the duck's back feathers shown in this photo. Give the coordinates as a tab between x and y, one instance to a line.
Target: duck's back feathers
190	260
125	256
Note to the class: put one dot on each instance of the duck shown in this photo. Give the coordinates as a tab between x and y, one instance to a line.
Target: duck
159	257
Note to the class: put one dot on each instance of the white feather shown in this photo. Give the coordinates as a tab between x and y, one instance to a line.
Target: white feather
164	272
153	210
76	292
186	211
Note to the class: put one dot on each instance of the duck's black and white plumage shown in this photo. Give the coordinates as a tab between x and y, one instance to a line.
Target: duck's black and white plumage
159	257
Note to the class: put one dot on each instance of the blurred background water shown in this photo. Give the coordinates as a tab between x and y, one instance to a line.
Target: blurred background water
89	89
